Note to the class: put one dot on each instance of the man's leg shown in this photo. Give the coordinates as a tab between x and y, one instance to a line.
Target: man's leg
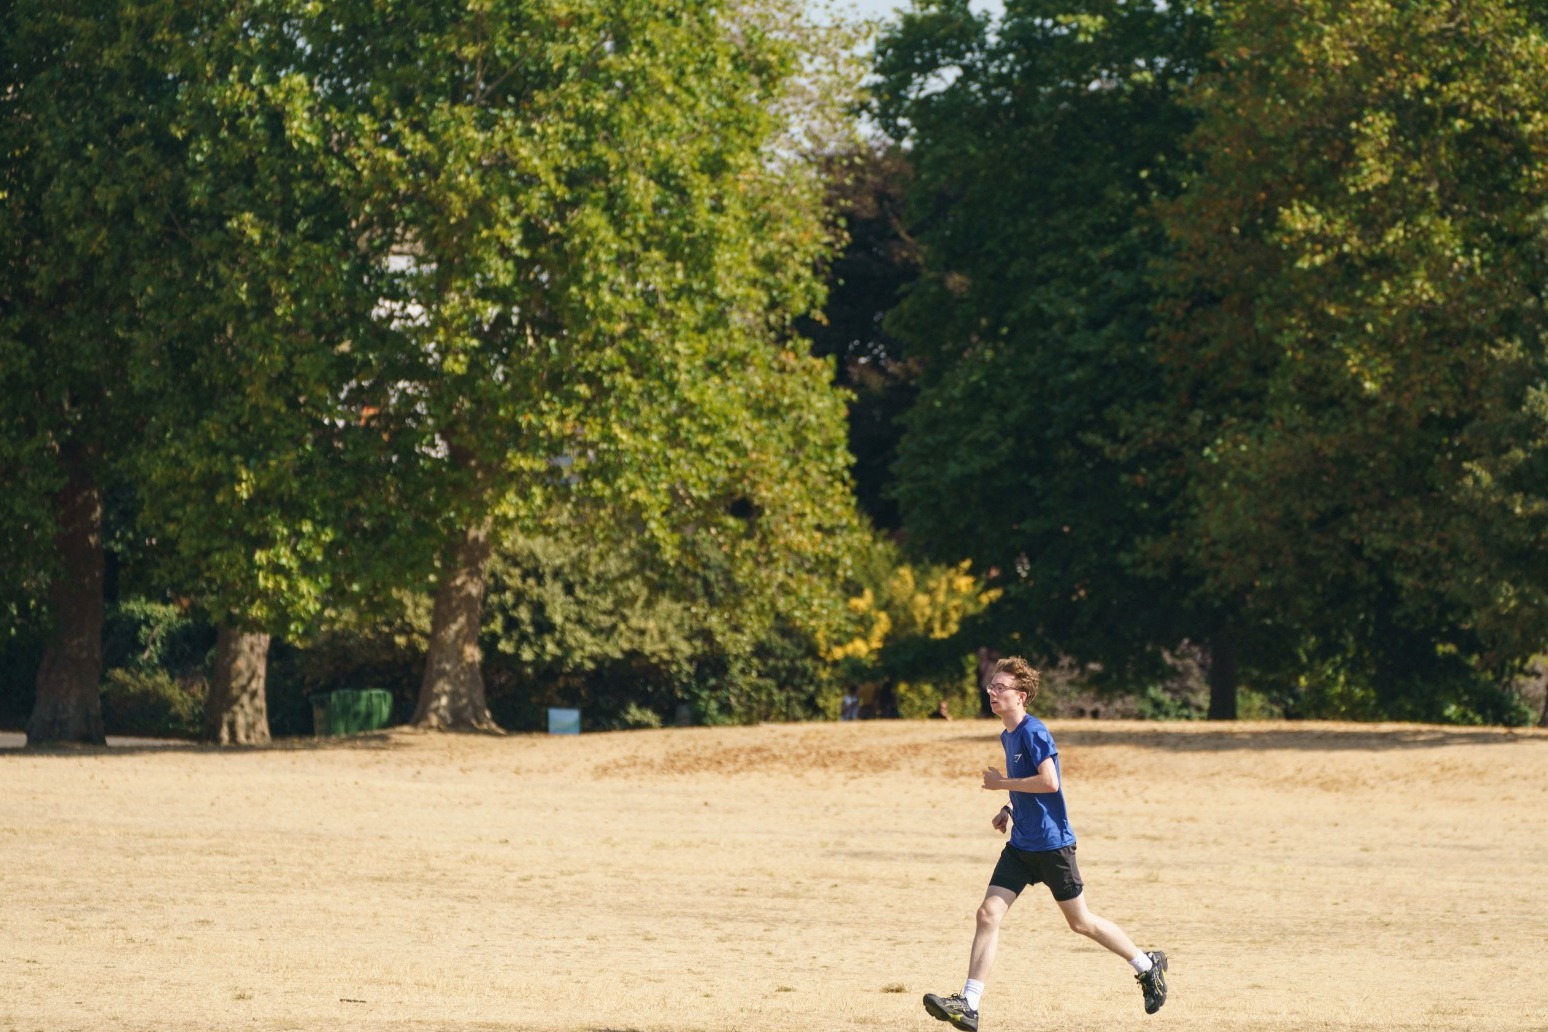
961	1009
986	937
1149	968
1096	928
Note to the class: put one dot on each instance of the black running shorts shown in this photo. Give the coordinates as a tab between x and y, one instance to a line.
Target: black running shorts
1054	867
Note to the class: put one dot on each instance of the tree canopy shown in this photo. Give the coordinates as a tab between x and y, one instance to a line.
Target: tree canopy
373	289
599	252
1165	332
1354	339
85	105
1037	146
1229	332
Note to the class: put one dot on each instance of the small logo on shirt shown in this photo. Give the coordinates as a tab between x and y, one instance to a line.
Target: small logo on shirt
1018	757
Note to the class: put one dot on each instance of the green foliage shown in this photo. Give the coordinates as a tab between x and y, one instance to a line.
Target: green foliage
308	288
263	470
156	659
26	558
922	698
334	283
594	252
867	188
1254	705
83	145
156	663
599	618
1438	685
1155	703
1355	345
903	629
141	635
1279	394
635	716
578	620
777	674
179	313
152	703
1037	150
574	604
1327	694
588	615
597	240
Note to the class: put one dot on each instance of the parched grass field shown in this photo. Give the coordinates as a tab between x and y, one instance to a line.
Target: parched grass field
789	877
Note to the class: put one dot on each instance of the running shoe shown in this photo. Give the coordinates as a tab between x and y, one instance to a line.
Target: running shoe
1153	982
953	1009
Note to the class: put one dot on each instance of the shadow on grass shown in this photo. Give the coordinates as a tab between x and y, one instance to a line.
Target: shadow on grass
14	744
1311	736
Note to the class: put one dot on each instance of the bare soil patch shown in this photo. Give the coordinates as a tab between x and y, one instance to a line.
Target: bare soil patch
784	877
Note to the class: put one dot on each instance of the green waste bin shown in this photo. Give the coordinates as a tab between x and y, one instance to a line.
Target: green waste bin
349	712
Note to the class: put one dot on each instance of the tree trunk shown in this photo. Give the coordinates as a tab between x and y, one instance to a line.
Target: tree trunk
1537	671
1222	677
68	707
451	696
237	710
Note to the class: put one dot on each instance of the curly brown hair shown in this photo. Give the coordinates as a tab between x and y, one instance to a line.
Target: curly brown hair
1024	674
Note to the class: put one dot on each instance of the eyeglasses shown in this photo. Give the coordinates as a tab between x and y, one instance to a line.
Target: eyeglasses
1000	689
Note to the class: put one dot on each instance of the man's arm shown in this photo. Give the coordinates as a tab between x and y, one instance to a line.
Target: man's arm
1044	781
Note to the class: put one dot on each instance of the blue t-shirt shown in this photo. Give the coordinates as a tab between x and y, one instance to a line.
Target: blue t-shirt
1039	820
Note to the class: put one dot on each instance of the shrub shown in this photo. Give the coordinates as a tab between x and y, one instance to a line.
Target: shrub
142	635
20	653
156	658
900	621
634	715
152	703
923	698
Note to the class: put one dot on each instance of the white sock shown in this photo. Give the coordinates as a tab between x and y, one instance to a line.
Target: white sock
1141	964
973	992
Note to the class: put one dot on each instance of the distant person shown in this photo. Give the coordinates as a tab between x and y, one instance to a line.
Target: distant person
849	706
887	702
1041	849
942	712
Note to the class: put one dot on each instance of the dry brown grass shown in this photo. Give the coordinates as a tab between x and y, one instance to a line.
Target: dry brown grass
773	878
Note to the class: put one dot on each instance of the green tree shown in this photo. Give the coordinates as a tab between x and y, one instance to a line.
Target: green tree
867	193
600	245
264	473
1038	146
1355	341
372	282
592	614
85	108
187	323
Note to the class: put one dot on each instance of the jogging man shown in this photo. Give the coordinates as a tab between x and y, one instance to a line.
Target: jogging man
1041	849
